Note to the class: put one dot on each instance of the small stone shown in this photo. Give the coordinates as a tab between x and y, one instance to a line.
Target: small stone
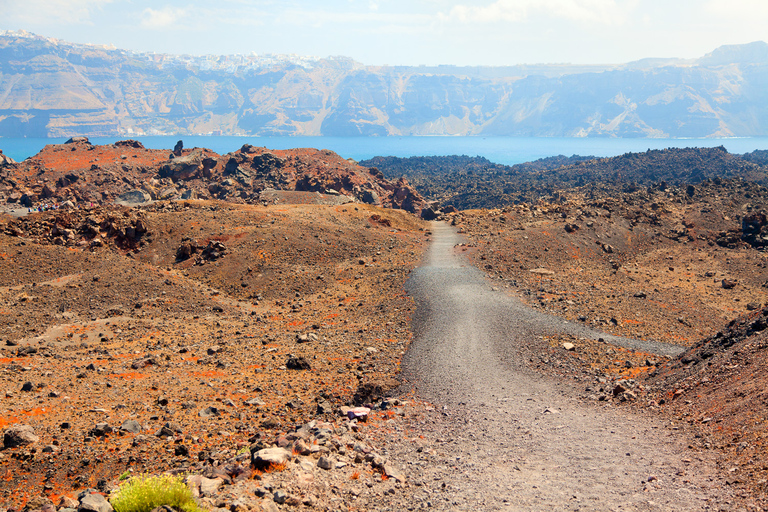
301	447
280	496
239	506
326	463
628	396
358	413
209	412
570	347
393	472
164	432
131	426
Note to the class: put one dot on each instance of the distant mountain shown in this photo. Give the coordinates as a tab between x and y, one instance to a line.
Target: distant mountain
50	88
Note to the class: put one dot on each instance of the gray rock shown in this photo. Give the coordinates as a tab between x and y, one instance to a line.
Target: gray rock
67	502
394	472
94	503
257	402
301	447
134	197
326	463
167	193
131	426
270	456
324	407
210	486
269	506
77	139
209	412
19	435
165	432
280	496
100	430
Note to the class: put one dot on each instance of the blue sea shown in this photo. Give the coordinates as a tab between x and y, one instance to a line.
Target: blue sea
501	150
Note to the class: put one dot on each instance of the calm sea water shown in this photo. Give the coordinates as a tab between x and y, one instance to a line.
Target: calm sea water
502	150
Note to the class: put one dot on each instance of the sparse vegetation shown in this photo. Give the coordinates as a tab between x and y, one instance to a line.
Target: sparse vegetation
145	492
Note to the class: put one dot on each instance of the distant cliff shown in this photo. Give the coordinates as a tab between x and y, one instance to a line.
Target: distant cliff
53	88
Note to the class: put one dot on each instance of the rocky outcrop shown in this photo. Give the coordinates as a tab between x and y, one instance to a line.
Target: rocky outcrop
122	227
128	173
190	166
474	182
5	160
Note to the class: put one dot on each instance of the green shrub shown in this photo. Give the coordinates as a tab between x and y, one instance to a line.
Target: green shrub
144	492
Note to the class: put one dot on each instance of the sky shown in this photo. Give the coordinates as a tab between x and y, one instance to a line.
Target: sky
403	32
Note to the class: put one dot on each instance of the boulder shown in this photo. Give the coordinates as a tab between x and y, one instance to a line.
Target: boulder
5	160
19	435
193	165
297	363
94	502
133	197
262	459
78	140
129	143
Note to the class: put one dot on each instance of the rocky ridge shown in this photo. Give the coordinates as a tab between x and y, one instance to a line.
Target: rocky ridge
467	183
80	173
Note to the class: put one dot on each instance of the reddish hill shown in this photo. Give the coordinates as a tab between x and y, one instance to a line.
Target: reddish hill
126	171
718	386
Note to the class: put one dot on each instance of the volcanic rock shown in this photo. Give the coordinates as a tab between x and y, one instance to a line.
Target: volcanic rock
19	435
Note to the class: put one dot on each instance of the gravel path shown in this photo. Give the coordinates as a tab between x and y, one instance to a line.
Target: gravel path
504	438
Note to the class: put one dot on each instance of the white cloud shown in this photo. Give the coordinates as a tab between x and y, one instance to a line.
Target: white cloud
749	11
49	11
162	18
607	12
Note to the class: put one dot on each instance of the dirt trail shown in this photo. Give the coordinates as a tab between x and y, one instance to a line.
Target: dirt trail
504	438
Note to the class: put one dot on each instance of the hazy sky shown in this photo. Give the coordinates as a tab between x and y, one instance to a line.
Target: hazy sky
465	32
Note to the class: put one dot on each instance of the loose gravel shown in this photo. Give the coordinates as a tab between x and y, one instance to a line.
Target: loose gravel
501	437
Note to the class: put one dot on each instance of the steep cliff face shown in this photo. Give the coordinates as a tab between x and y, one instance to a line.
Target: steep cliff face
52	88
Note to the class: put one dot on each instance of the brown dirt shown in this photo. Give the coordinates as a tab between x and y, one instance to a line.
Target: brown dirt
659	280
143	336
